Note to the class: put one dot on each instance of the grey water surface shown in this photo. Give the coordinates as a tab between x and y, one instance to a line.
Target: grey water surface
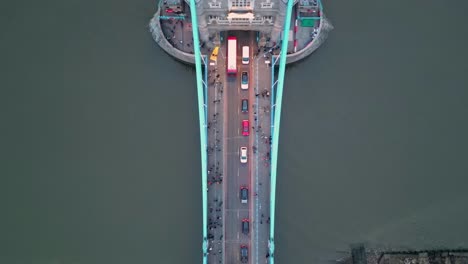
100	155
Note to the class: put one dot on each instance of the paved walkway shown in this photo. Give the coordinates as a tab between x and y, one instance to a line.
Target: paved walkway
216	186
177	31
261	149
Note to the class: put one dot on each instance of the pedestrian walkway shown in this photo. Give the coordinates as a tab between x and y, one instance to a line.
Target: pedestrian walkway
176	24
216	186
261	149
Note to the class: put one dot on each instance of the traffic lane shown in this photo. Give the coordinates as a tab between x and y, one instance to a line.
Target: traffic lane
233	180
232	150
246	94
233	245
232	252
232	215
232	231
231	167
233	172
241	209
232	218
244	169
234	127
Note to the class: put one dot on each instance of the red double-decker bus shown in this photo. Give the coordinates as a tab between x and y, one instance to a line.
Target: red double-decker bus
231	63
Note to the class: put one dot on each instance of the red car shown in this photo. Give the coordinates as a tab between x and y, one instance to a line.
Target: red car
245	127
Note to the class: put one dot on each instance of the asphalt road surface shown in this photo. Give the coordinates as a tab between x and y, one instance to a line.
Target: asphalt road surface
237	174
225	134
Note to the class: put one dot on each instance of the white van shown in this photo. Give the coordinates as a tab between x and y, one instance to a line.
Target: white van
245	55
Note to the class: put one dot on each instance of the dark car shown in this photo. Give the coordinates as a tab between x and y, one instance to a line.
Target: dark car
244	254
244	194
244	80
244	105
245	226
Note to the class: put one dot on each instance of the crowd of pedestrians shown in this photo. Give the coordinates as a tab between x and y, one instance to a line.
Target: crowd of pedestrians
268	52
262	218
175	31
214	174
264	93
175	35
215	169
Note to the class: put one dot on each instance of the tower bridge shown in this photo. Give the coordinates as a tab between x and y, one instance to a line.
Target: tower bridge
240	49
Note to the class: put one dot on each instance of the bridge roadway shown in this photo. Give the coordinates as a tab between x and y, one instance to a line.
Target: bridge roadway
224	140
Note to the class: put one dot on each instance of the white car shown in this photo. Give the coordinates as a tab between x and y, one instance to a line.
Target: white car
244	81
243	155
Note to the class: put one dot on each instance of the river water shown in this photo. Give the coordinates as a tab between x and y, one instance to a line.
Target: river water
100	150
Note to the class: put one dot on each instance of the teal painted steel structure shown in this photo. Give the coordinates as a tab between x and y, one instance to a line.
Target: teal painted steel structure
277	98
172	17
276	105
305	18
202	115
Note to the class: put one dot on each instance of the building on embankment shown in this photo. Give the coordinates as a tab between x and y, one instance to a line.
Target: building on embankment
171	25
361	255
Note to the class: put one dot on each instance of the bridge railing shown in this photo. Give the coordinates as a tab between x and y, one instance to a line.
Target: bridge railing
202	94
